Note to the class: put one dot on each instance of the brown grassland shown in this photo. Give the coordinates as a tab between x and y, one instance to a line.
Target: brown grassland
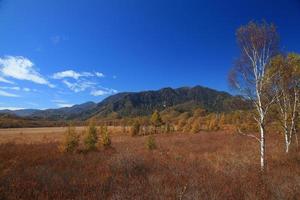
207	165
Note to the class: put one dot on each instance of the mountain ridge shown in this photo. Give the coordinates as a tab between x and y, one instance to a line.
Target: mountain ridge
132	104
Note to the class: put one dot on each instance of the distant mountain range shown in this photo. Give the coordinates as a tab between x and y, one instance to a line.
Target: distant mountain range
20	113
132	104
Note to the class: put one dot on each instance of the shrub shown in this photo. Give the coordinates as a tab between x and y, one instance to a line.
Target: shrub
156	120
135	128
181	124
71	141
187	128
213	123
167	128
106	141
91	137
196	127
150	143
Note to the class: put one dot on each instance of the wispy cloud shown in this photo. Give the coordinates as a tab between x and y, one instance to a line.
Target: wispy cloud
16	88
94	88
7	94
62	105
10	88
67	74
58	101
104	91
21	68
26	89
79	86
11	108
75	75
99	74
3	80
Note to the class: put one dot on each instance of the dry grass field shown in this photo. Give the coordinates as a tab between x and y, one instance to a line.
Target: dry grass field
207	165
40	135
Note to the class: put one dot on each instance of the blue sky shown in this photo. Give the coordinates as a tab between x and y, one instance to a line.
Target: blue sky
56	53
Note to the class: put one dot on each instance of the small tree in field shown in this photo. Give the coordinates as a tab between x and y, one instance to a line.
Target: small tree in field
150	143
258	43
156	120
106	141
71	141
91	137
135	129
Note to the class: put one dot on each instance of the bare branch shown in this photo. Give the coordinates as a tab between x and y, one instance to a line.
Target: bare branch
248	135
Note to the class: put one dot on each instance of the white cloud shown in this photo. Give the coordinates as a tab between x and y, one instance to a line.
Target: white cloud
10	88
7	94
3	80
66	74
104	91
58	101
62	105
79	86
11	108
26	89
98	93
81	83
87	74
21	68
71	74
99	74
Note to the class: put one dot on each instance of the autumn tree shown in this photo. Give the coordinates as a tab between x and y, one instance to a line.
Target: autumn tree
135	129
105	137
91	136
286	69
156	120
151	143
258	43
71	140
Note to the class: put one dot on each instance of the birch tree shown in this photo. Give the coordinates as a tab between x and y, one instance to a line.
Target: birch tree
258	43
287	84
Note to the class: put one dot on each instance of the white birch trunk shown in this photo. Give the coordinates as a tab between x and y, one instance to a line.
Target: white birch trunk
262	147
261	123
287	143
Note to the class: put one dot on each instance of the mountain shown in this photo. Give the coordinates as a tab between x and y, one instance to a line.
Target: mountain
182	99
132	104
8	120
20	113
79	112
